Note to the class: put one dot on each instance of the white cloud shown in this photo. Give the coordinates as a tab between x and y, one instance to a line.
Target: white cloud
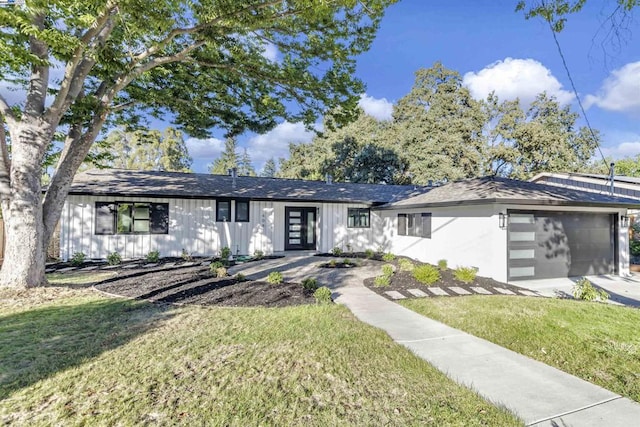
620	91
516	78
205	149
275	143
270	52
624	149
381	109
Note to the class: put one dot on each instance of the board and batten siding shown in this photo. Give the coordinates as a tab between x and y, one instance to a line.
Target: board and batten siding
193	227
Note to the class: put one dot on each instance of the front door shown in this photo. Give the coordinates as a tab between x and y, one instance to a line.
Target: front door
300	229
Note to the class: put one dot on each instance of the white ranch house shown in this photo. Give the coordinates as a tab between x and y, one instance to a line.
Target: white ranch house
510	230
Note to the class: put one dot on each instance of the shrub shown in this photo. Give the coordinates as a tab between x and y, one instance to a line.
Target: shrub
153	256
381	281
221	272
186	256
336	251
258	254
465	274
388	257
634	247
585	290
426	274
225	253
347	261
240	277
387	270
214	266
310	284
78	258
442	264
332	263
405	264
113	258
369	253
322	295
275	278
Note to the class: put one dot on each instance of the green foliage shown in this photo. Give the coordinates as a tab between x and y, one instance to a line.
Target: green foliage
332	262
387	270
225	253
113	258
426	274
270	169
323	295
442	264
240	277
275	278
214	266
77	258
584	290
186	255
258	255
634	247
405	264
336	251
388	257
465	274
153	256
348	261
221	272
310	284
369	253
382	281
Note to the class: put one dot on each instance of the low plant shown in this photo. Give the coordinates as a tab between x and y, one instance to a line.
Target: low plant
113	258
322	295
221	272
348	262
349	248
336	251
310	284
382	281
240	277
275	278
77	258
258	254
332	263
369	253
584	290
426	274
406	265
634	247
388	257
465	274
153	256
442	264
214	266
185	255
387	270
225	253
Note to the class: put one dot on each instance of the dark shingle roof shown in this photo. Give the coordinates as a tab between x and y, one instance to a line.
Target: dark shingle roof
503	190
118	182
616	178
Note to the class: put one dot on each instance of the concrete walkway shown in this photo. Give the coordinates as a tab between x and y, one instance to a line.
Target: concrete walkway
537	393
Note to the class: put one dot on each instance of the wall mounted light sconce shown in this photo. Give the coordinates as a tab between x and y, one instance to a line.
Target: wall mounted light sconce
502	220
624	221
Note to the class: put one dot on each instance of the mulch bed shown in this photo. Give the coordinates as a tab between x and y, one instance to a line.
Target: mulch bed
338	264
402	281
196	285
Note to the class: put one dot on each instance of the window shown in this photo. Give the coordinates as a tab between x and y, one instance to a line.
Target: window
242	211
132	218
358	217
417	224
223	210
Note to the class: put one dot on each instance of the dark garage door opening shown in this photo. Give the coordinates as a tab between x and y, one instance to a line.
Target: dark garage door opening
542	245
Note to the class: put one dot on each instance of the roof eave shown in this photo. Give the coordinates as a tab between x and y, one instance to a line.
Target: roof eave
527	202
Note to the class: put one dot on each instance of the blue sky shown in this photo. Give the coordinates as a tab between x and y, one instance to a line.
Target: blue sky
494	48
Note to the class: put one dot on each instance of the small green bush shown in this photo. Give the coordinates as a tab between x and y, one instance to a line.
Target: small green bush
113	258
240	277
336	251
442	264
225	253
406	265
214	266
465	274
369	253
585	290
153	256
634	247
275	278
382	281
332	263
78	258
221	272
310	284
388	257
426	274
387	270
186	256
258	254
322	295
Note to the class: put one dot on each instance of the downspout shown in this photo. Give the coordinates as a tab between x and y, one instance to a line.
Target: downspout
612	175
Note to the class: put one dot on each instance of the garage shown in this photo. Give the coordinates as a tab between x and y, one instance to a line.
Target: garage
543	245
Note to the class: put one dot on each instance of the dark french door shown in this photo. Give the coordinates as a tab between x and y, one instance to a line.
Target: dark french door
300	229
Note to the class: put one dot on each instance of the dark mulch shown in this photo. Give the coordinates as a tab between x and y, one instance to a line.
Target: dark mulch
196	285
402	281
376	256
338	264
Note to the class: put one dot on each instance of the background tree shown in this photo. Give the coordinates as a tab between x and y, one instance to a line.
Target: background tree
245	167
270	169
203	62
228	158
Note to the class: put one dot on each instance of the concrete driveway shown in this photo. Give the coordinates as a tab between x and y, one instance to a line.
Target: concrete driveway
622	290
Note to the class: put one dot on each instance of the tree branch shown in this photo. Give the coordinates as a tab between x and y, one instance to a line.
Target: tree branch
5	165
39	81
5	110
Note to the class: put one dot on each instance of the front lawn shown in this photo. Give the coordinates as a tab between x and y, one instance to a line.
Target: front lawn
72	356
597	342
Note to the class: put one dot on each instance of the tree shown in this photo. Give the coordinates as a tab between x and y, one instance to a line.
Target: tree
245	167
228	158
203	63
143	150
270	169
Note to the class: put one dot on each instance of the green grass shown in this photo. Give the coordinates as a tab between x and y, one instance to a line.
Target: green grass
78	278
597	342
74	357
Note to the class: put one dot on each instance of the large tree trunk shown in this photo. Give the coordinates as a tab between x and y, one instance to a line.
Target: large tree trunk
24	260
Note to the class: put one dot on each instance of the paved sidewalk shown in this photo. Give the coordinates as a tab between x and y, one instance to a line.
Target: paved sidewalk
537	393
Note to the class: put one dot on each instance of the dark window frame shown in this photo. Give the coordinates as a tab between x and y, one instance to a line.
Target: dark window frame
218	216
356	214
415	224
248	203
158	218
